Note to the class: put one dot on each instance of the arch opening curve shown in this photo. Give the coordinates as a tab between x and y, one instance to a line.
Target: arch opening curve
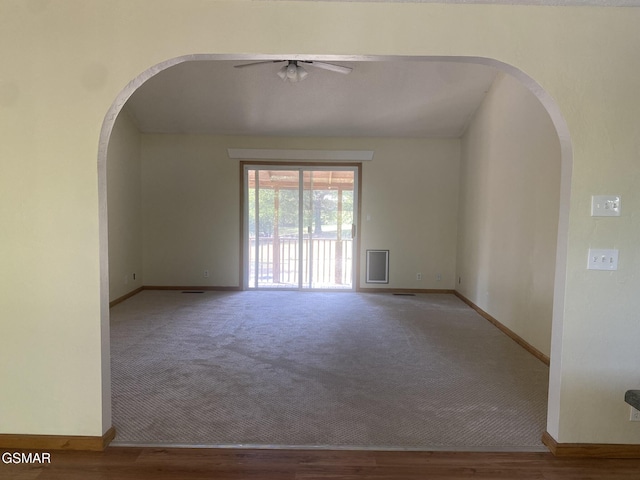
549	104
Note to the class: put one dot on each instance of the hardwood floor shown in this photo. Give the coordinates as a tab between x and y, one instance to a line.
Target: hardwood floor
126	463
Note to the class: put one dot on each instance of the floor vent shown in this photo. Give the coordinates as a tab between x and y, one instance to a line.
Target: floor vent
405	294
193	291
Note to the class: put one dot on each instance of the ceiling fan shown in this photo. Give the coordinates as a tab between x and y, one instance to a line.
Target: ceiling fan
293	72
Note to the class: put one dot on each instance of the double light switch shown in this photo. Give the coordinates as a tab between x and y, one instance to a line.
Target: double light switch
604	206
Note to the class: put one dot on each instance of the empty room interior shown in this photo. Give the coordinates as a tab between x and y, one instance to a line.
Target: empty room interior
217	338
376	249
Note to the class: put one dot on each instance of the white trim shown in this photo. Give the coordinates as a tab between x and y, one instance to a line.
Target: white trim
298	155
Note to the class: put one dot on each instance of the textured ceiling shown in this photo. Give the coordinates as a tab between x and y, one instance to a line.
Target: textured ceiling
378	98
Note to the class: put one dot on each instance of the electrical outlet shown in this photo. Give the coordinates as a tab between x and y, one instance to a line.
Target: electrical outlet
635	415
438	277
206	274
418	276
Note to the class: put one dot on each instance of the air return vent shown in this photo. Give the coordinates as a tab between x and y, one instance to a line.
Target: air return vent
377	266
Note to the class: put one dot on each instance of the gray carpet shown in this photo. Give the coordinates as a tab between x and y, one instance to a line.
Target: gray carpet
320	369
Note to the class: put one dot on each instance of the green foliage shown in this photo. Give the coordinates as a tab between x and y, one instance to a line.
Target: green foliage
320	209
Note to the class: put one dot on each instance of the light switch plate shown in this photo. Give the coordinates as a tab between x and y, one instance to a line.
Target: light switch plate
602	259
605	205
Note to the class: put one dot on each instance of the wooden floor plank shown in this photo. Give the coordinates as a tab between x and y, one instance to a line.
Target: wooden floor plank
122	463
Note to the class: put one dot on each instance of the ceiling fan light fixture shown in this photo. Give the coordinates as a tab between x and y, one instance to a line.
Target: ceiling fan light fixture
282	73
292	72
302	73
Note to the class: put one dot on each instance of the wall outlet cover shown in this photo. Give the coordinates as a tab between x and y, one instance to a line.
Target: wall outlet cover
605	205
602	259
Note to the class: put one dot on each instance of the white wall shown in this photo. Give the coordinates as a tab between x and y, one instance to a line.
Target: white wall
509	204
68	65
125	208
191	214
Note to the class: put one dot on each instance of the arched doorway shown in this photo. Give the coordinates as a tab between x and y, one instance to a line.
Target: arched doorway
546	101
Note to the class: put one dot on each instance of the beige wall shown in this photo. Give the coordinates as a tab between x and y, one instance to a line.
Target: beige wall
510	199
125	208
410	207
191	214
68	65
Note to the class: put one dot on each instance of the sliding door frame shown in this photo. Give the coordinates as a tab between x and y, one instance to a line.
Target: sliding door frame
244	221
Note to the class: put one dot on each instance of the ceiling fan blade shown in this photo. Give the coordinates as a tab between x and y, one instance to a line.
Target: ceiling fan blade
258	63
330	66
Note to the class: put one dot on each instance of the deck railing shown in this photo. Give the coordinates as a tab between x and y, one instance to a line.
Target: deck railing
327	263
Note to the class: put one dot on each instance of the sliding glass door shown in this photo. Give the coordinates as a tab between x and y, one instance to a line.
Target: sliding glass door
299	227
